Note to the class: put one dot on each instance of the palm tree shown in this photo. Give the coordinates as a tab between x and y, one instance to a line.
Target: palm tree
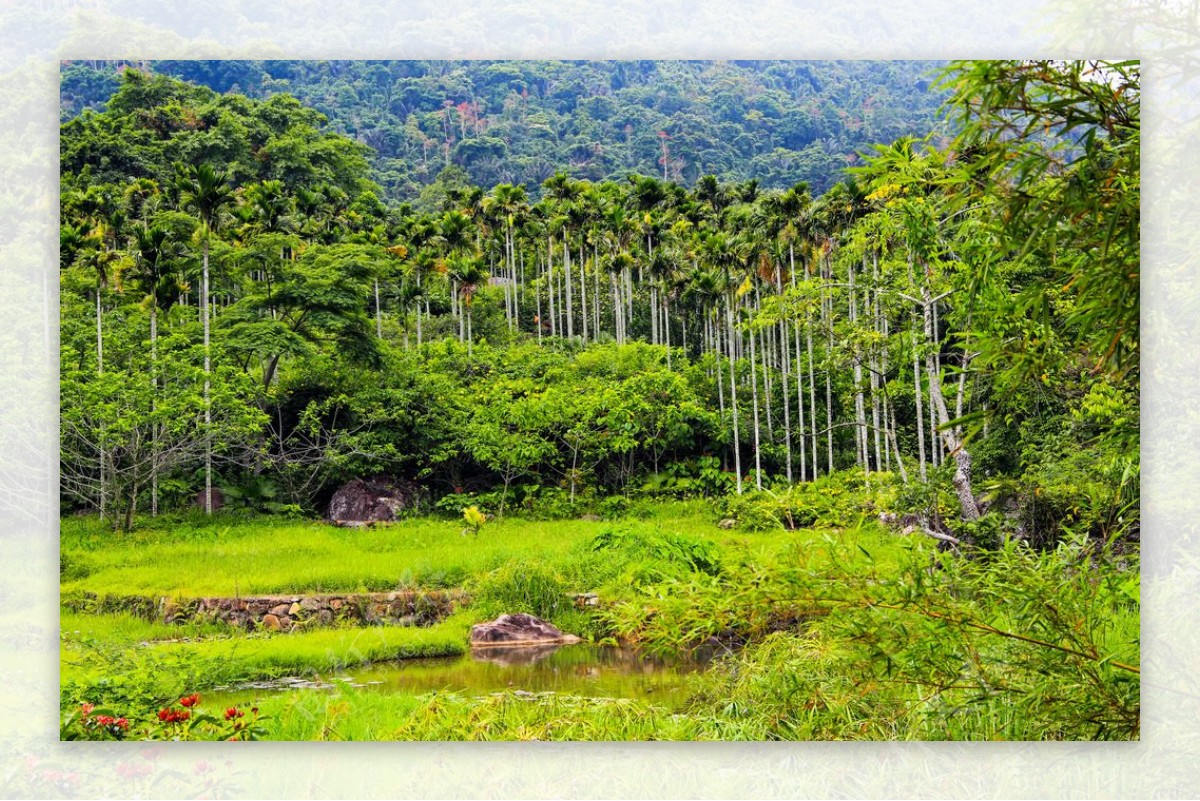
718	252
96	246
648	197
780	215
454	236
704	287
104	262
563	191
508	203
618	232
155	248
468	275
205	193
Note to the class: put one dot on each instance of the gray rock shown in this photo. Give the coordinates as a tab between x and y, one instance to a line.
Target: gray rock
218	499
372	500
727	524
518	629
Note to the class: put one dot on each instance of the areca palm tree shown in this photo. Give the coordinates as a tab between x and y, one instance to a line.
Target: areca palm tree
155	249
97	245
508	203
718	252
468	275
563	192
104	262
455	237
619	230
205	193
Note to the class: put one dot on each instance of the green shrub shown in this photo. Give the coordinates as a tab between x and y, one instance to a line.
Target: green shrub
518	587
834	501
669	549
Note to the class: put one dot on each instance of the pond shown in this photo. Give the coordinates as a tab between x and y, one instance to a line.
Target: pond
585	670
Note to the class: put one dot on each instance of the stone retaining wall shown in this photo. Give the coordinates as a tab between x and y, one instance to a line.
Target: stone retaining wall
284	612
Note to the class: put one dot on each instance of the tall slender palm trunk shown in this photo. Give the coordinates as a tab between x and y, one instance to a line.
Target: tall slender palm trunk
570	303
204	300
154	430
737	454
785	368
754	403
100	371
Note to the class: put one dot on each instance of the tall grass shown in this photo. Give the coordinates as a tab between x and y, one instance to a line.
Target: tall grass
351	714
845	631
265	557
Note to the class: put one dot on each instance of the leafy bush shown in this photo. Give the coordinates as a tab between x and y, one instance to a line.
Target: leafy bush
700	477
833	501
516	587
665	549
551	503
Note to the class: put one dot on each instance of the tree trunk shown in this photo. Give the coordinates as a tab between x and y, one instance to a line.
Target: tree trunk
737	455
754	403
666	329
550	286
715	345
950	436
860	418
787	401
570	303
99	372
207	389
378	318
583	307
537	299
154	408
920	412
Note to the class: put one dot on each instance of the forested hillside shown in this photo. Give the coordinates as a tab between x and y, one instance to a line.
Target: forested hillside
875	443
611	330
520	121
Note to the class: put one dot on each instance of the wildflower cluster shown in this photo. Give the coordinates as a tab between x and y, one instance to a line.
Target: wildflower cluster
101	725
179	720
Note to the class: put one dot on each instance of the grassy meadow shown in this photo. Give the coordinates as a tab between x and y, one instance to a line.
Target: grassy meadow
833	632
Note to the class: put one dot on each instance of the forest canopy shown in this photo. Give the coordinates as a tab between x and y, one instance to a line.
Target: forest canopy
957	310
518	122
833	367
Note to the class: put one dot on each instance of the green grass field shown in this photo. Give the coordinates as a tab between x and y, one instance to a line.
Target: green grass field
835	632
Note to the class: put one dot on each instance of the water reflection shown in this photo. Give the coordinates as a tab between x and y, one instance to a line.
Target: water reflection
514	654
582	669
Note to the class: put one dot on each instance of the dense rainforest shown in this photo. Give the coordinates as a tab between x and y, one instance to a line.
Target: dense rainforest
266	295
519	122
968	311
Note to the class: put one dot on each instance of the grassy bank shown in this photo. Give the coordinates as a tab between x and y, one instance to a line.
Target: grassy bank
846	630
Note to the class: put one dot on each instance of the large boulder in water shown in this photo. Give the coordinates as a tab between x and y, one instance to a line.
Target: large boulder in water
378	499
518	629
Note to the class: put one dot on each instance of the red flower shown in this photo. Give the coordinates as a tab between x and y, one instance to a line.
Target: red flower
122	724
87	709
105	720
166	715
233	712
190	700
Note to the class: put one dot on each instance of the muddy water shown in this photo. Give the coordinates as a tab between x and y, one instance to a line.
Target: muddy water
584	670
